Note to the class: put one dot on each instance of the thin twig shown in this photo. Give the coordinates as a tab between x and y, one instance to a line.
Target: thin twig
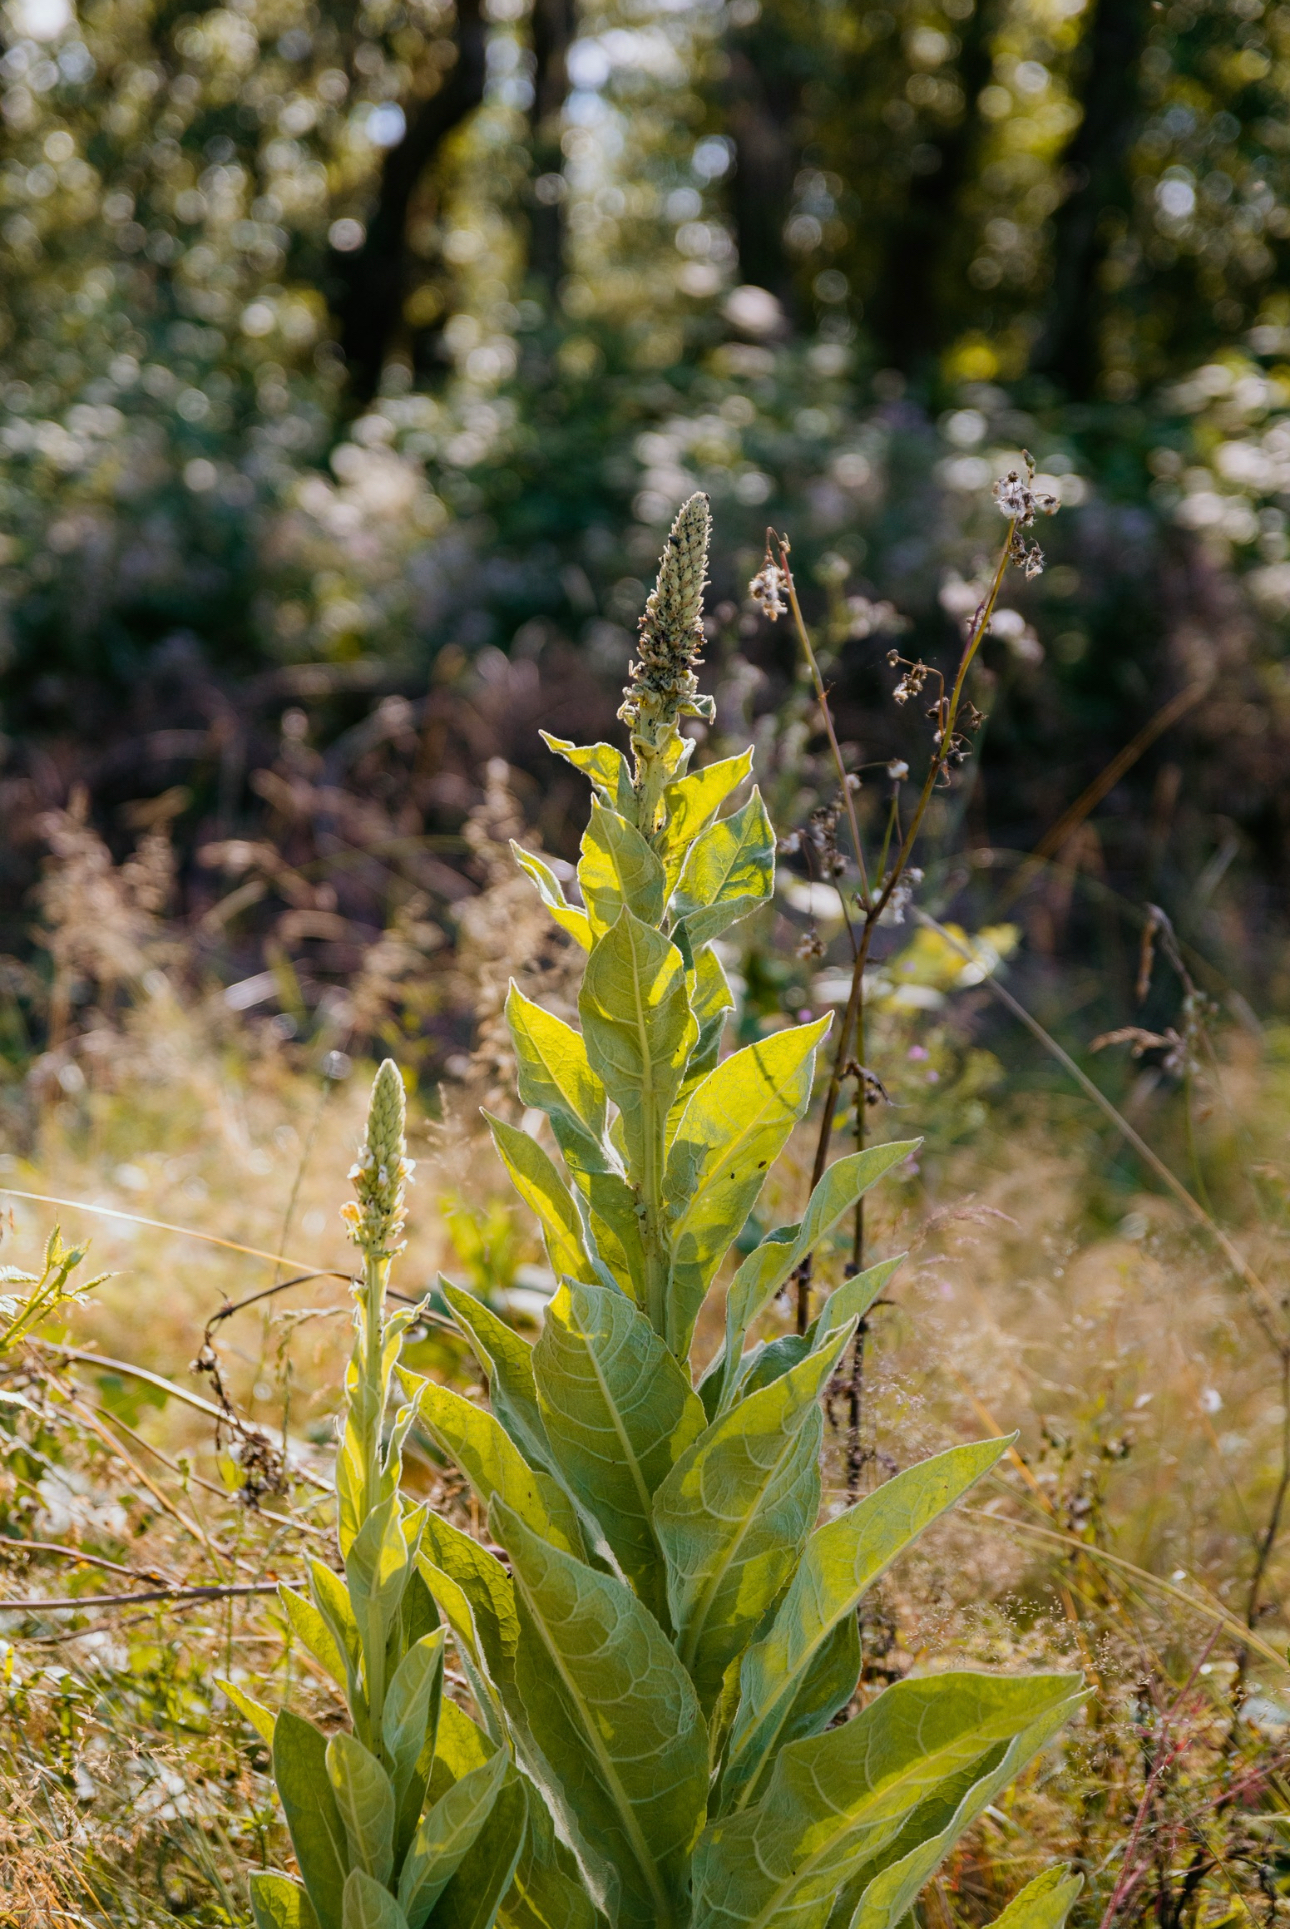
217	1593
79	1554
875	910
1129	1877
1267	1540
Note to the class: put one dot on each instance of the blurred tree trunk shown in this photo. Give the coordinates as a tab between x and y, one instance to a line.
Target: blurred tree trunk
555	26
371	281
761	102
915	309
1095	167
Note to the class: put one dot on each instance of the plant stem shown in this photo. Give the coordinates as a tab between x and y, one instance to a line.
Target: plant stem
875	906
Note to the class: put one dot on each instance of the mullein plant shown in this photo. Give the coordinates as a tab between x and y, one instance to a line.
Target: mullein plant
387	1817
664	1633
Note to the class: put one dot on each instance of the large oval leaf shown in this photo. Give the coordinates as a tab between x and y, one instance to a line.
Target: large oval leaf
624	1746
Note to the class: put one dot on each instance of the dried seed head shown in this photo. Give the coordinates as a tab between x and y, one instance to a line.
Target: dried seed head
381	1170
767	588
663	685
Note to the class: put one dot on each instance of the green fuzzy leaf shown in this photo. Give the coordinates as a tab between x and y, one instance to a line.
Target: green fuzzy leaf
335	1624
610	775
460	1748
507	1359
843	1559
486	1585
623	1743
734	1514
544	1192
639	1032
555	1076
548	1891
729	871
277	1902
1044	1903
618	868
885	1900
774	1261
377	1568
691	803
252	1711
735	1124
567	916
369	1905
417	1618
365	1799
769	1361
616	1229
711	1001
852	1299
494	1466
839	1803
317	1831
445	1835
618	1411
474	1896
408	1727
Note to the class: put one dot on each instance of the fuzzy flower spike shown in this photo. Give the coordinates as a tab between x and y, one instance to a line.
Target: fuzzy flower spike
381	1171
664	687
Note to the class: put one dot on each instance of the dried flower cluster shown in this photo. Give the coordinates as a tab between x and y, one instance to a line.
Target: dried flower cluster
381	1171
767	588
911	683
1019	500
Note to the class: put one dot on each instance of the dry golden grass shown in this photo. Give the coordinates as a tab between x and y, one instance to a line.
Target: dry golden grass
1149	1406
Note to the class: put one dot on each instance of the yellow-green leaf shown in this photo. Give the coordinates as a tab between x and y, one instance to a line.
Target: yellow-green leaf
734	1513
618	1412
494	1466
551	891
260	1717
365	1798
507	1358
921	1760
445	1836
278	1902
317	1832
842	1560
1044	1903
544	1192
690	804
607	768
730	870
735	1123
617	868
623	1746
554	1075
639	1031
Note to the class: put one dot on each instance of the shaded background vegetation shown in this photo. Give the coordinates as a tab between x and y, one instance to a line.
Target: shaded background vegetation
353	360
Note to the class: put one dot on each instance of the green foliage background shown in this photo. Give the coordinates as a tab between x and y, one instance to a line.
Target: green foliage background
381	335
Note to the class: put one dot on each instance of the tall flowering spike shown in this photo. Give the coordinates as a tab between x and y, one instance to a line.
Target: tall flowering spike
382	1169
663	685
